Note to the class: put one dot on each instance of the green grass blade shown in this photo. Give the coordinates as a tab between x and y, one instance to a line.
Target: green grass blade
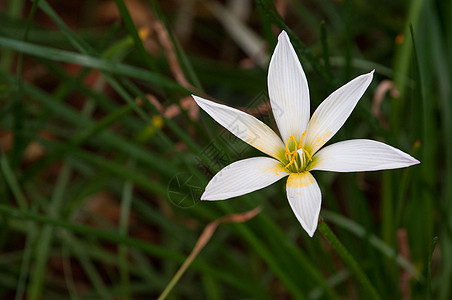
380	245
37	276
13	182
348	259
91	62
126	203
128	22
402	62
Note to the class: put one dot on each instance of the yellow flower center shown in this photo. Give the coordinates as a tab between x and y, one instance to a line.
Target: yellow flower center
295	163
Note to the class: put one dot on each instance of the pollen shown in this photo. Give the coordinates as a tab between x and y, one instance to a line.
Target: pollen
295	163
291	155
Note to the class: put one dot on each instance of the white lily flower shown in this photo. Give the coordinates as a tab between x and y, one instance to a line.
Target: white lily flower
304	137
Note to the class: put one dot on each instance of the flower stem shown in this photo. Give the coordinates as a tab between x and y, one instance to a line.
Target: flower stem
347	258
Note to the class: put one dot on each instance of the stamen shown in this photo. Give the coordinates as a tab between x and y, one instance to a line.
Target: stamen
309	156
301	140
292	155
292	159
287	143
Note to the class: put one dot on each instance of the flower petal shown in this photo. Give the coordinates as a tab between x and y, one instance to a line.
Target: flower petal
334	111
244	176
305	199
288	90
244	126
361	155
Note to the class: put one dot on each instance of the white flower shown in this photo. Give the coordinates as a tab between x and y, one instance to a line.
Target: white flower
300	154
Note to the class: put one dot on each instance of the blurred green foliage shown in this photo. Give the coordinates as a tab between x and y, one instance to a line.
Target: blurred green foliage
104	155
